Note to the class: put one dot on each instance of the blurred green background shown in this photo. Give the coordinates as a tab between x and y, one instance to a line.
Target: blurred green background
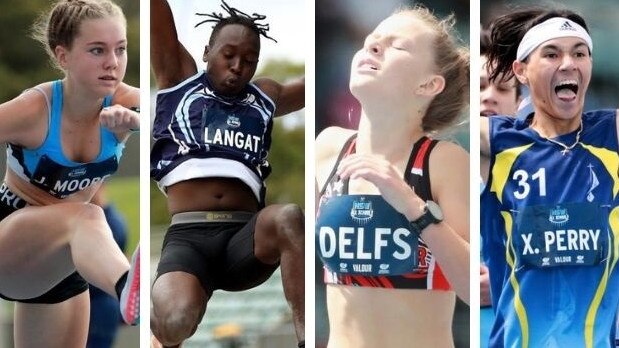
124	192
24	63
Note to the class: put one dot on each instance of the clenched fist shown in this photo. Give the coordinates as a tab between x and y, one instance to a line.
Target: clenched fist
119	119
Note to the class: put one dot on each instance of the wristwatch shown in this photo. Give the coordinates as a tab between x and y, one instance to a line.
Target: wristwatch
432	214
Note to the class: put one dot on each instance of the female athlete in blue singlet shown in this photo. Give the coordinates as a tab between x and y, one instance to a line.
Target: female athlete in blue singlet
64	139
212	136
550	205
391	264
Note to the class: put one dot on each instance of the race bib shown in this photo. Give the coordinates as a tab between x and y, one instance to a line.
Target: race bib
233	132
572	234
363	234
61	181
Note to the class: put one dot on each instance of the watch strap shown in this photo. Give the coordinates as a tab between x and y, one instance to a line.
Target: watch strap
424	220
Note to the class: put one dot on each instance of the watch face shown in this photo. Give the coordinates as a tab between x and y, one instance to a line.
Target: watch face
435	210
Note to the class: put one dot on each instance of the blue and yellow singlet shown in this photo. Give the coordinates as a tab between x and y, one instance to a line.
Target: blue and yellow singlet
550	233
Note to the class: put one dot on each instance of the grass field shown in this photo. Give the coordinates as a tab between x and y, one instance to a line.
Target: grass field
124	193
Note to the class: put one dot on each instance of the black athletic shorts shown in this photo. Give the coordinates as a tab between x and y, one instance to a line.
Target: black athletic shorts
218	252
70	286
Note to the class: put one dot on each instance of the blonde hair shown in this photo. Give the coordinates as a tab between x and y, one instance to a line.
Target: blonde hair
60	25
452	63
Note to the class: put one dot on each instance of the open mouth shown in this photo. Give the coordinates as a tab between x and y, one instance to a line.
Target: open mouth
367	64
567	90
488	112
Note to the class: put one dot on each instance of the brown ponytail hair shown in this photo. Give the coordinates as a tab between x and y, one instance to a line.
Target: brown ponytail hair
452	63
60	26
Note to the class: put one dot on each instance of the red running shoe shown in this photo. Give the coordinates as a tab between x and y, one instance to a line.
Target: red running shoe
130	295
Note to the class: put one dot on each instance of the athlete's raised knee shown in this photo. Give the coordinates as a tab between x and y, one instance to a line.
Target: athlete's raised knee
89	212
289	216
175	324
289	221
280	226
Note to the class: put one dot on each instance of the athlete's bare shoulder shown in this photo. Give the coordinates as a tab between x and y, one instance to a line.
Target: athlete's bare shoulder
448	159
23	120
288	97
329	143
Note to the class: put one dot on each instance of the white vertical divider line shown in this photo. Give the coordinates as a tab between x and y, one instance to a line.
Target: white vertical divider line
145	131
474	29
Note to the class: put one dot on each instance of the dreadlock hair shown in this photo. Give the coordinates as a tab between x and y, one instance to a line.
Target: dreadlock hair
235	17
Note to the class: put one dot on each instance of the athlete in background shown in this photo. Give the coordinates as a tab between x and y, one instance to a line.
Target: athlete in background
105	318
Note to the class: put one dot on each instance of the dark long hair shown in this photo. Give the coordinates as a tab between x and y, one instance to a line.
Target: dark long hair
507	31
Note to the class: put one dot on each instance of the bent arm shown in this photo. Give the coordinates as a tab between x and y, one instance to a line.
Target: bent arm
288	97
128	97
617	121
170	61
484	148
449	240
484	136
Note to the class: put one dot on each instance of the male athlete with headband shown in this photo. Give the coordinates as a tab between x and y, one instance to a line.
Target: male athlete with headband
550	203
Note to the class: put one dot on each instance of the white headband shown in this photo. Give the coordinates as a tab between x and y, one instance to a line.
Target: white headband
551	29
